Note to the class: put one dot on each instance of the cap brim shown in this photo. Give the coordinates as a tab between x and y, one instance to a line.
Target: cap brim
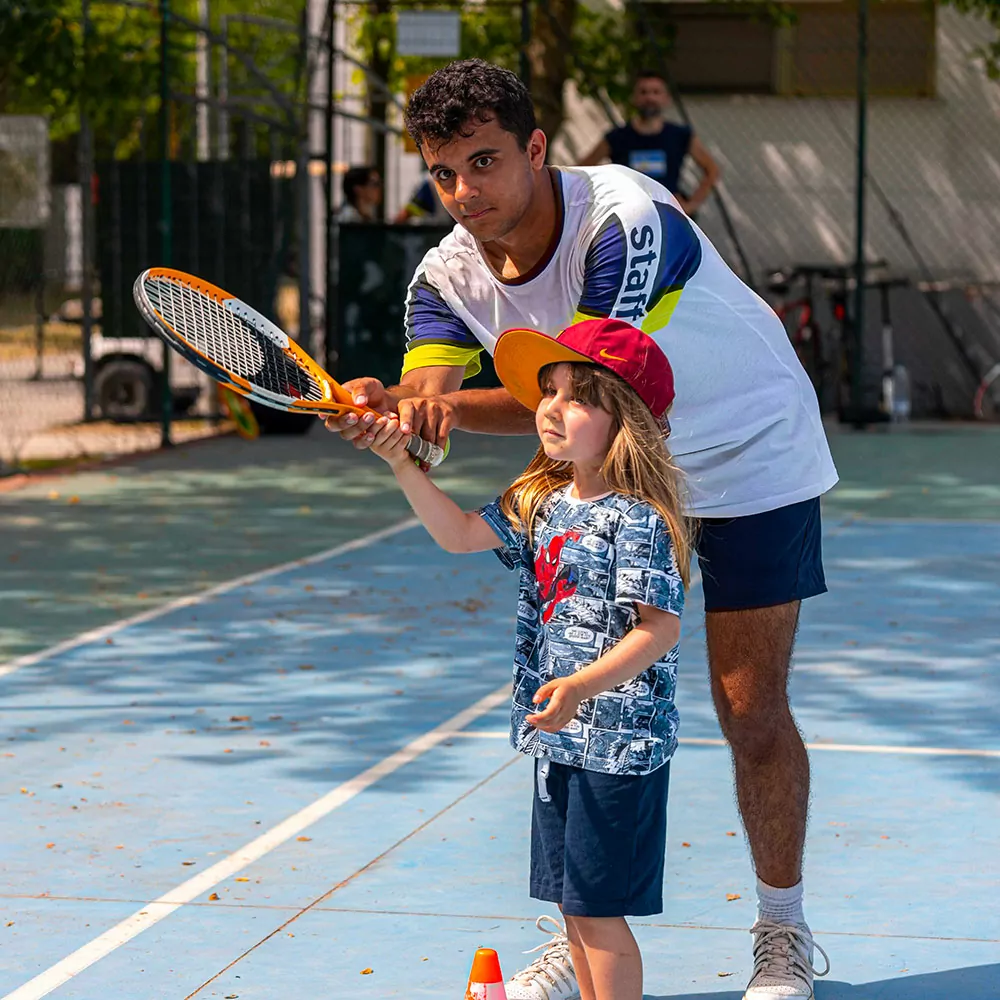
521	354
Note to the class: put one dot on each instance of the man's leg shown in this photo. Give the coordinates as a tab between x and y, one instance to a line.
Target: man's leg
756	570
749	654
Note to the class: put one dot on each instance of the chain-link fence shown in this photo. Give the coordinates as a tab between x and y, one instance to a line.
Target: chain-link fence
774	99
230	130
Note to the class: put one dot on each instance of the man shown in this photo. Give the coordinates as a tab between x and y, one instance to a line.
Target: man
656	147
537	247
362	194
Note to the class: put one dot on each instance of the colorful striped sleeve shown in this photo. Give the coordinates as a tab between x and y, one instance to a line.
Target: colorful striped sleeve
638	263
434	334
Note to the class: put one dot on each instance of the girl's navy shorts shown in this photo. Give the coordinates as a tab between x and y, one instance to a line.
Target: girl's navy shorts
762	560
598	842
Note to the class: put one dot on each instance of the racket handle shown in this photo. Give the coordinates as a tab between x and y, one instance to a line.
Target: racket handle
426	451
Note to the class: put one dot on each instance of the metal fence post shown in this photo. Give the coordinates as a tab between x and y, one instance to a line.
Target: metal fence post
85	168
857	401
166	223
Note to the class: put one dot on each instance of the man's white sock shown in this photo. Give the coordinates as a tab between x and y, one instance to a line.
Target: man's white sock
783	906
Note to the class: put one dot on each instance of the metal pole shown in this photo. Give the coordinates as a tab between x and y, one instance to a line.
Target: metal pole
166	233
857	402
331	302
202	60
85	165
525	42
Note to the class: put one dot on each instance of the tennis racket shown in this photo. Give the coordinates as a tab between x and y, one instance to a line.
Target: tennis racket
245	351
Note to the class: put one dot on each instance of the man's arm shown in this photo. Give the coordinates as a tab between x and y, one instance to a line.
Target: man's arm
710	174
599	154
433	403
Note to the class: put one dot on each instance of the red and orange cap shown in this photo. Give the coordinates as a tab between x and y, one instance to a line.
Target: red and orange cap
618	346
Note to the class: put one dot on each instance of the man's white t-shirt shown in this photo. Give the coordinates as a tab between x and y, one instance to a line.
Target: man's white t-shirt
745	425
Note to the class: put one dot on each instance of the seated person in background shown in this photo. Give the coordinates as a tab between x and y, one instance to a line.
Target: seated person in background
362	195
656	147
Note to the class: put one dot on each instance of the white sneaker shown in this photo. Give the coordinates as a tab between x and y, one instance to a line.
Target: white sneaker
550	976
783	962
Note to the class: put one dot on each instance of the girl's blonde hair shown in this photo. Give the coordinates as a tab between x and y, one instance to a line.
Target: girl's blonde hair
638	463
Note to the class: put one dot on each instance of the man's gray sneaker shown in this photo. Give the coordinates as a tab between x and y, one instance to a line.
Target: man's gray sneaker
783	962
550	976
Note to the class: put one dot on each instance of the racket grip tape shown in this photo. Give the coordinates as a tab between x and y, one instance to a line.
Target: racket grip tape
426	451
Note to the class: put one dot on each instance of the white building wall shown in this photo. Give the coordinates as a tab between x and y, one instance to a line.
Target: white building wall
789	168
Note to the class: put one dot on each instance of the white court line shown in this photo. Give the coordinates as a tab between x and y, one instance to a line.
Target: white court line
152	913
698	741
190	600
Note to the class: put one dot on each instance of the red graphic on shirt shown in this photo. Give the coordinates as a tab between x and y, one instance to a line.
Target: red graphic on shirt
555	582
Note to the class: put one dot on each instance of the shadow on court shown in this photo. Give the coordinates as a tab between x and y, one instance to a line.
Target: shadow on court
974	983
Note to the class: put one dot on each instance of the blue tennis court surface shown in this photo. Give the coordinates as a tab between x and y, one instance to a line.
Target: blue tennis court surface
301	786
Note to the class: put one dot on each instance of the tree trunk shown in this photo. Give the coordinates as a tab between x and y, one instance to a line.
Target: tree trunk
549	59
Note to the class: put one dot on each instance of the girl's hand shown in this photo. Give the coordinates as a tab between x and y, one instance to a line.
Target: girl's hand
390	441
564	696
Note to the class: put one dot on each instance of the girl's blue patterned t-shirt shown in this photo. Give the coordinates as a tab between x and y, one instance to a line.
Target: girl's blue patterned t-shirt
591	563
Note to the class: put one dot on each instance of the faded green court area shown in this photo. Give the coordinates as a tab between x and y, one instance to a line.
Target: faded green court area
88	548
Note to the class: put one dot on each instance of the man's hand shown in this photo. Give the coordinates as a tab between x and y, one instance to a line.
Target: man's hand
351	427
430	417
564	695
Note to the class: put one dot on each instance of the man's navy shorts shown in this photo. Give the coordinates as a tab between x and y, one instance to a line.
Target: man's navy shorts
598	844
761	560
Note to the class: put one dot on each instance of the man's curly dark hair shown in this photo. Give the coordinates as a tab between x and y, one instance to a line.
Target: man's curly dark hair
467	93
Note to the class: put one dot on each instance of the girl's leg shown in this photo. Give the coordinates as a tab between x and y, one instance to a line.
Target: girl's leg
584	980
613	962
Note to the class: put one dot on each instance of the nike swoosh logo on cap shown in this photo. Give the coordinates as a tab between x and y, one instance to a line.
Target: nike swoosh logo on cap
611	357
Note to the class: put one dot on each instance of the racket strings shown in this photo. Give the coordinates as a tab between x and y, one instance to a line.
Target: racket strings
229	341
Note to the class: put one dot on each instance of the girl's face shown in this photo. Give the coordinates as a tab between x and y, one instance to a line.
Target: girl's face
570	429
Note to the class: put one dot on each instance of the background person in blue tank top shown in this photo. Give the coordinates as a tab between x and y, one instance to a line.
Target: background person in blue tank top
656	147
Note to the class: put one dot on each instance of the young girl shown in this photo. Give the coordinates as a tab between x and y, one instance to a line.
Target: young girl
596	527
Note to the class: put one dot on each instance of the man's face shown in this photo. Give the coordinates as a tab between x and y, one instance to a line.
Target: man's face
650	97
486	181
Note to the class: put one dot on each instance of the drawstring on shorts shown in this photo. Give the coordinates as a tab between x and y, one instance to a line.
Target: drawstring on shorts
542	765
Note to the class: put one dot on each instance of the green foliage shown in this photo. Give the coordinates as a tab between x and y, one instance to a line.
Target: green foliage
114	73
990	11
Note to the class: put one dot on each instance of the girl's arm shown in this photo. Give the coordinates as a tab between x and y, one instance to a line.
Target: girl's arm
454	529
656	634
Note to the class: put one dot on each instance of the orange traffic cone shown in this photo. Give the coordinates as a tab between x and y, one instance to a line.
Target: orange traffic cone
486	981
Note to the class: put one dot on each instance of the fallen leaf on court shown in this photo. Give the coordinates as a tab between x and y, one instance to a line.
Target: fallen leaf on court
367	972
189	862
231	996
730	833
685	844
306	666
274	718
264	743
214	896
303	838
74	499
722	975
425	959
50	845
309	587
242	878
227	751
127	722
53	494
730	896
239	718
109	642
24	791
119	847
142	595
883	837
10	923
58	784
